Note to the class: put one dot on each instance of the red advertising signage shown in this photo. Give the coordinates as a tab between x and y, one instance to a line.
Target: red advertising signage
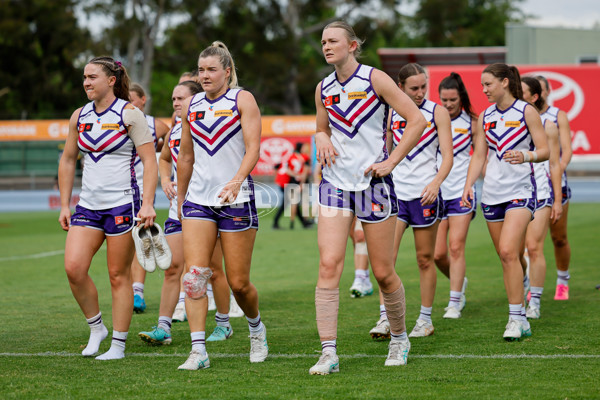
275	150
573	91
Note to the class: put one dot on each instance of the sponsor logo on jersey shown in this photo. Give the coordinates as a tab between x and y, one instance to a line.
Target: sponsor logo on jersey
490	125
224	113
357	95
122	219
110	126
331	100
462	131
427	212
512	124
376	207
196	115
85	127
399	125
237	219
174	143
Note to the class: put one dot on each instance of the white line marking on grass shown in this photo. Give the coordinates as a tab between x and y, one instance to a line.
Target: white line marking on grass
29	256
349	356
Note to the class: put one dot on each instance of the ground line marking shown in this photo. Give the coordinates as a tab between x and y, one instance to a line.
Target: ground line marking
347	356
38	255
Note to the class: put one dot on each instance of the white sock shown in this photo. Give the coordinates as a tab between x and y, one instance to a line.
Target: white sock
98	333
329	346
514	311
382	312
398	337
425	314
138	288
536	294
255	325
199	342
181	297
209	290
562	277
454	299
117	347
165	323
362	274
222	320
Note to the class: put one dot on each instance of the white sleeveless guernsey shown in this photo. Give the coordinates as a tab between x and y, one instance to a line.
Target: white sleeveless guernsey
542	174
419	167
174	144
506	130
219	147
139	167
109	154
551	114
462	140
357	119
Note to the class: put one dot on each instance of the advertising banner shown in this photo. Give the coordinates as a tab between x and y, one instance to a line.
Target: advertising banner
573	91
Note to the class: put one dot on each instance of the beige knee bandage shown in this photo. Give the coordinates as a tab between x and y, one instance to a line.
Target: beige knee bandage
395	307
327	303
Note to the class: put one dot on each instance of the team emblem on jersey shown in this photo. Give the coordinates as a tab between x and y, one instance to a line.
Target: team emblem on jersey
512	124
331	100
110	127
196	115
224	113
490	125
85	127
357	95
174	143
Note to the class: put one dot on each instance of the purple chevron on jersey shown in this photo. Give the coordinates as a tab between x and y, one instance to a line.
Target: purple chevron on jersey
348	120
461	143
113	141
212	138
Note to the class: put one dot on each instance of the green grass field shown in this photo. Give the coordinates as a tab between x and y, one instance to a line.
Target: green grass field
42	329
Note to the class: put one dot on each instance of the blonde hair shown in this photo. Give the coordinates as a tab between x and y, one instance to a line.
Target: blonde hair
350	35
218	49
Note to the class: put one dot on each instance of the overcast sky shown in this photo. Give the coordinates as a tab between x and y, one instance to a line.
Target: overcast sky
567	13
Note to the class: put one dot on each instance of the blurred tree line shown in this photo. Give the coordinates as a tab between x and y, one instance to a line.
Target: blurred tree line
44	44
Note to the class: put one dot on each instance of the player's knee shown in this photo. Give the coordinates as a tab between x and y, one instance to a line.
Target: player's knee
240	287
76	272
425	261
560	240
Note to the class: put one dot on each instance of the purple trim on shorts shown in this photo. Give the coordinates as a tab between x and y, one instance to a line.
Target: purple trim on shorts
544	203
113	221
416	215
172	226
497	212
374	204
233	218
454	207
